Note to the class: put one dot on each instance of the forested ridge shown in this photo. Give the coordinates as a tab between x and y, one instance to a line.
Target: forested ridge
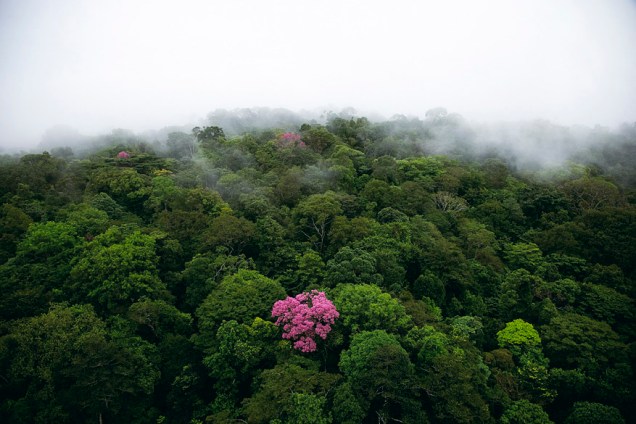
457	282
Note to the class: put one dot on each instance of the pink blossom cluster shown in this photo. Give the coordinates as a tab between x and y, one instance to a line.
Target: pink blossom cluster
290	139
304	317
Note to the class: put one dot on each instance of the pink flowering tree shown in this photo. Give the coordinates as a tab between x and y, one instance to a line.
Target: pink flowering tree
304	317
290	139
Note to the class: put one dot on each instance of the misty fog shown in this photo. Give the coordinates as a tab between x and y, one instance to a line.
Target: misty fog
530	78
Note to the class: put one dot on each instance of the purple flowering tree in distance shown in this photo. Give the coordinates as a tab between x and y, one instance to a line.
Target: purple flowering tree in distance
304	317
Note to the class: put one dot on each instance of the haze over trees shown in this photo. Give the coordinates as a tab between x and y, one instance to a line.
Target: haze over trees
341	271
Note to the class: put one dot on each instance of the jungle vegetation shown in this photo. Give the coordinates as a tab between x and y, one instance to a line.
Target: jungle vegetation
473	284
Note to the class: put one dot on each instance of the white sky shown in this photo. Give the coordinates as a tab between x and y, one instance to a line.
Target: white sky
99	64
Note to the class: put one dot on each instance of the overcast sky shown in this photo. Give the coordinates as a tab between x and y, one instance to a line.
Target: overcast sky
95	65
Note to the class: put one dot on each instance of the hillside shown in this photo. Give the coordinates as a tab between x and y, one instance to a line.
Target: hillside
479	275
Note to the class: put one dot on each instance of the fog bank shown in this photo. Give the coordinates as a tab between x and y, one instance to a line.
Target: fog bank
142	65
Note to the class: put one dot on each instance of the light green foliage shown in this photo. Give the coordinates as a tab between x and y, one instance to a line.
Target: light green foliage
310	270
238	349
117	268
523	255
41	267
422	170
426	343
519	337
47	240
343	176
367	307
203	200
524	412
356	132
163	194
125	185
307	408
88	220
347	156
535	379
242	297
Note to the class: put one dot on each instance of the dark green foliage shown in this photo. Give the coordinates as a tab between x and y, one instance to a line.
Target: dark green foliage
455	382
235	234
68	366
318	138
277	394
352	266
13	224
380	372
576	341
470	287
589	412
204	272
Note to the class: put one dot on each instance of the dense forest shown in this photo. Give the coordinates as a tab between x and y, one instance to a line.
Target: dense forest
422	273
